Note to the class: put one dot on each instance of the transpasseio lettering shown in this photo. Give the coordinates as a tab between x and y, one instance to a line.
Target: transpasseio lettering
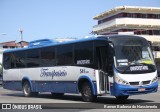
46	73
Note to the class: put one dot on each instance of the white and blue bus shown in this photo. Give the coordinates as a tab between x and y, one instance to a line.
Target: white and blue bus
119	65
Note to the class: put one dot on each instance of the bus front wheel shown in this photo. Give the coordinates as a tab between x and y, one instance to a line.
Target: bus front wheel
87	92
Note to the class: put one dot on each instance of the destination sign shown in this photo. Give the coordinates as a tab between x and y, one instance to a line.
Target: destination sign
138	68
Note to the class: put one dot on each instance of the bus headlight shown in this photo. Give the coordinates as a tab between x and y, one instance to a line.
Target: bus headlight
121	81
155	79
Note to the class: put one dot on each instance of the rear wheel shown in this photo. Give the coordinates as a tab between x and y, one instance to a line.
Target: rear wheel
27	90
87	93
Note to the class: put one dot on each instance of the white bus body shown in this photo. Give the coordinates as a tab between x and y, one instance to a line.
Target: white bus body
92	67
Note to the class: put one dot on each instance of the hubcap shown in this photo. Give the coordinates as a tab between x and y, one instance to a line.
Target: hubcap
26	89
87	91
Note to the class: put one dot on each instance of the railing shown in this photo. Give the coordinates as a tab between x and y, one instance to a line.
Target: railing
103	80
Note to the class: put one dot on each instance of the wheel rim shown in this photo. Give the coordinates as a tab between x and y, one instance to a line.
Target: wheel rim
87	91
27	89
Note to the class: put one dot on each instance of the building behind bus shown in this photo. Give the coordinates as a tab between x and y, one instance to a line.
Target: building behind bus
133	20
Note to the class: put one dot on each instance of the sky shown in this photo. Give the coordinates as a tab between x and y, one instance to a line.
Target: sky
51	19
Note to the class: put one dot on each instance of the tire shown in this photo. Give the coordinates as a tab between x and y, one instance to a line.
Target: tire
87	93
122	98
27	89
58	95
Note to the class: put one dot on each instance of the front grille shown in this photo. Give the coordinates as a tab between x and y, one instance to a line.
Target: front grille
146	82
134	83
140	83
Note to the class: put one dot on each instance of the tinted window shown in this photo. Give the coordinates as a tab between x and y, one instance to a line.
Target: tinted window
33	58
64	55
20	59
48	56
9	60
83	53
14	60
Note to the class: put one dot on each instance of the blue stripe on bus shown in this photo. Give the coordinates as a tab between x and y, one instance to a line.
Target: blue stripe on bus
57	87
44	86
48	86
12	85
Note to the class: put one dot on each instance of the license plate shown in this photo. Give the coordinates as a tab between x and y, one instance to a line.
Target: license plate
141	89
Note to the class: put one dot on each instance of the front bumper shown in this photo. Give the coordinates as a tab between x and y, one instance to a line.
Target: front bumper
122	90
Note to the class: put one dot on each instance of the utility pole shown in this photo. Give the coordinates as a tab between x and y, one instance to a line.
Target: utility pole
21	32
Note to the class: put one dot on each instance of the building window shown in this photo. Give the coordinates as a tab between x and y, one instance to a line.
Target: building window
156	48
124	14
5	46
134	15
139	15
130	15
156	32
150	32
149	15
140	31
144	16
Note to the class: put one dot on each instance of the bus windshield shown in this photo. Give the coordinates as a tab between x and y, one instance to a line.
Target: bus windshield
133	55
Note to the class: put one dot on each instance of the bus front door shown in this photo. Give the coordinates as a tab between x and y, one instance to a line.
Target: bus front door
103	77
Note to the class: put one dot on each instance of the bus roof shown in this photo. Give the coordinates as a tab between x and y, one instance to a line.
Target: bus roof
48	42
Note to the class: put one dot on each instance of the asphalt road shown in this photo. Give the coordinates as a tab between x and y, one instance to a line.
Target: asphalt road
7	96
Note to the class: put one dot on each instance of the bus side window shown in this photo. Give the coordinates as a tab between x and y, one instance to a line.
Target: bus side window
83	53
13	60
33	58
48	56
20	59
7	61
64	55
